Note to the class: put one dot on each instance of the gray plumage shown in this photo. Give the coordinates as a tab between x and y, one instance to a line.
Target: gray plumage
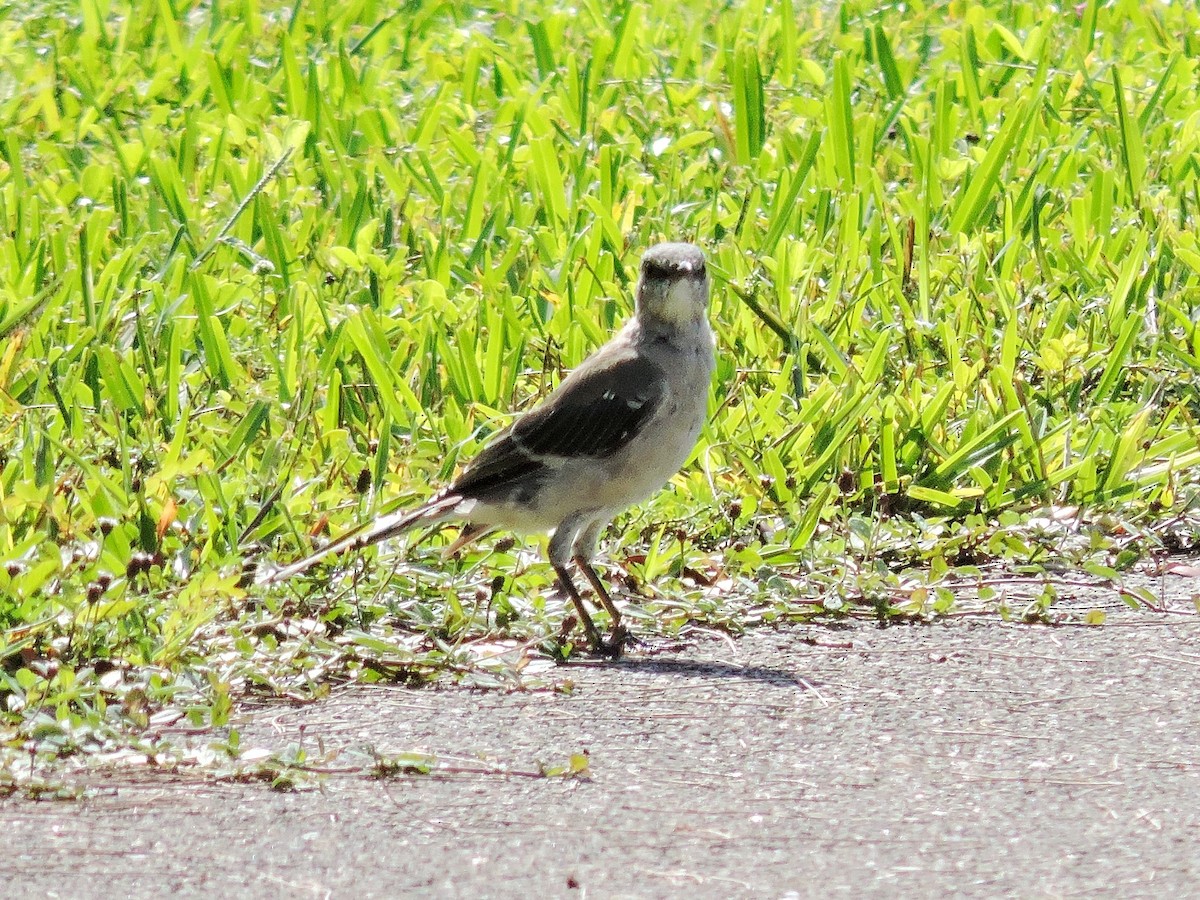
611	435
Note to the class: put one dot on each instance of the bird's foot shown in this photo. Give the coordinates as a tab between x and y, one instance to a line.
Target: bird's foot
563	639
615	645
612	648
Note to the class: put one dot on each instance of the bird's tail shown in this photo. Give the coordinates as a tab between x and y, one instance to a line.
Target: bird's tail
437	510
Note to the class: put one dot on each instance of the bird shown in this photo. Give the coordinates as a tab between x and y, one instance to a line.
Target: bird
610	436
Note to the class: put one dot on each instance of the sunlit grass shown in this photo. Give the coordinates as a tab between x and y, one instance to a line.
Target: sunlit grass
261	277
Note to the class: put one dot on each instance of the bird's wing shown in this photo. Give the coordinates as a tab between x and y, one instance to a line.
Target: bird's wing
595	412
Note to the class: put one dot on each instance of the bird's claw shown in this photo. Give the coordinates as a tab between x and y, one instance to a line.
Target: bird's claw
615	645
612	648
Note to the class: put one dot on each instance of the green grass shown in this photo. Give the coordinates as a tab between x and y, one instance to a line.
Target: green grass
267	269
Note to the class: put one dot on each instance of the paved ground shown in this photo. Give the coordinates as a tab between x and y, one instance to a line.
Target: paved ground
973	758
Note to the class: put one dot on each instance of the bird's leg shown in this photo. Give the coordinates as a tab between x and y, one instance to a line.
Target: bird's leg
568	587
619	632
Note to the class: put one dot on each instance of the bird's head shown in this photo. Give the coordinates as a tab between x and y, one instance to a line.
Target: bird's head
673	288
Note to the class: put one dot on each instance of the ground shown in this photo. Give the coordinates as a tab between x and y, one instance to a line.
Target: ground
973	756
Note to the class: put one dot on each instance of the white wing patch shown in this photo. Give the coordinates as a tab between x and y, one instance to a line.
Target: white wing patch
631	402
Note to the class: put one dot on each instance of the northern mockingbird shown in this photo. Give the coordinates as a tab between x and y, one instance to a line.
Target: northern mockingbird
610	436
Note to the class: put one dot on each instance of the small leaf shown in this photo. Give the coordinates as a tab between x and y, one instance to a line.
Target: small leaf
170	512
579	764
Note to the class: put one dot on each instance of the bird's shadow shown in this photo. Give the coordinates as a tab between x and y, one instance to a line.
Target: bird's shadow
708	669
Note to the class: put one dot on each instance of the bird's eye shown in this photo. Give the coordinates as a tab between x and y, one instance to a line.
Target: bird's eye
669	269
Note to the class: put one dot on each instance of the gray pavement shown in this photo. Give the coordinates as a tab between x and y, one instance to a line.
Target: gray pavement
967	758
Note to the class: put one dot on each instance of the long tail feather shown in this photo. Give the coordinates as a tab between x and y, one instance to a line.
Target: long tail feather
439	510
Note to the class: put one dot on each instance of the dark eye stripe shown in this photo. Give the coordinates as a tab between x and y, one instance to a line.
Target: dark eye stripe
655	269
